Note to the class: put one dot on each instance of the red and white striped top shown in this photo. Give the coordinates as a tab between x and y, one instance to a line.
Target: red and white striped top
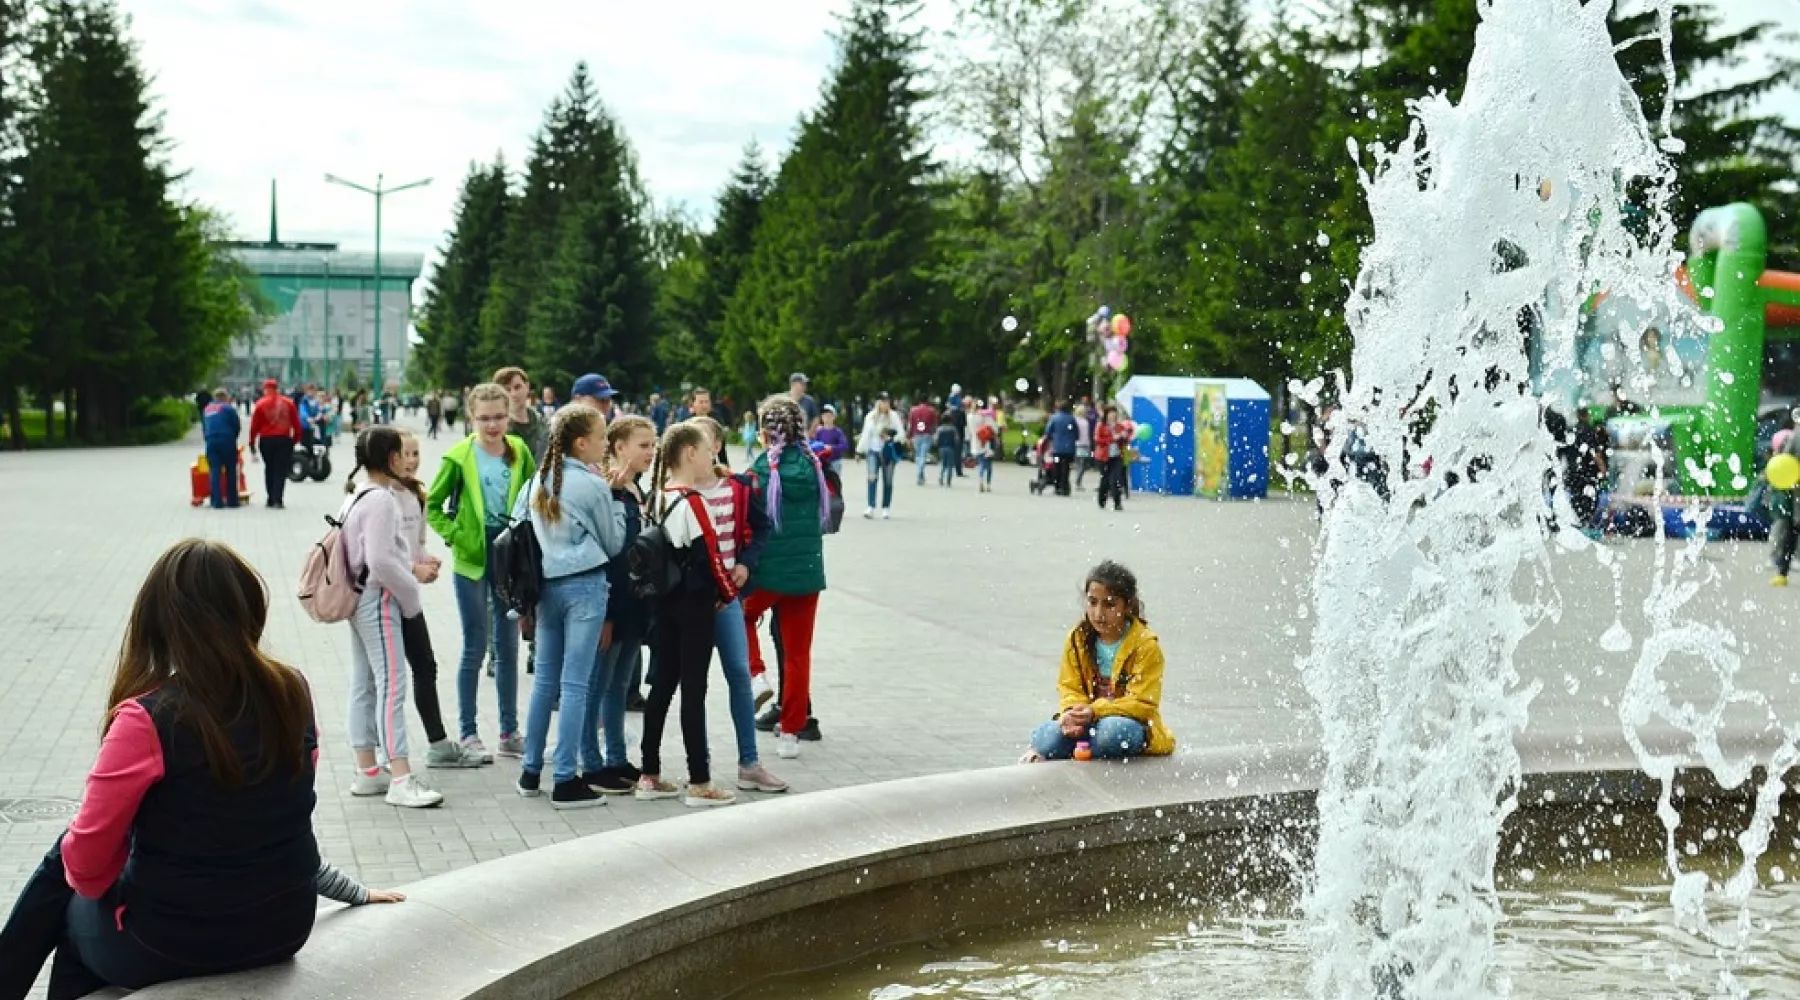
724	515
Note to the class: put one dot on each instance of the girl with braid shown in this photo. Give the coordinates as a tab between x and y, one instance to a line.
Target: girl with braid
580	529
790	575
685	618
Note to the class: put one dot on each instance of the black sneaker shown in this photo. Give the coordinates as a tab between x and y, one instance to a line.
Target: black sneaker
765	722
608	782
634	702
810	731
575	794
625	771
527	785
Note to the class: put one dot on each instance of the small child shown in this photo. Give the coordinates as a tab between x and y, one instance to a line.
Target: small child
1112	676
949	447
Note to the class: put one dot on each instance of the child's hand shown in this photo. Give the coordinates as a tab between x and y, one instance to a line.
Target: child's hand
424	572
386	896
740	575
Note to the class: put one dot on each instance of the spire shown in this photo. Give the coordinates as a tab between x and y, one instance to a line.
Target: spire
274	229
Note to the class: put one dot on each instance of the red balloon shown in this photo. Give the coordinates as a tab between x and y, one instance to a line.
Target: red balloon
1122	325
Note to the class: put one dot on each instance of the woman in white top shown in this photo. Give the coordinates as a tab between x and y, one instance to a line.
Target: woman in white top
880	430
380	554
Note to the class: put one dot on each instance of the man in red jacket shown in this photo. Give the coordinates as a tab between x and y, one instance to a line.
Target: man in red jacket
275	422
921	425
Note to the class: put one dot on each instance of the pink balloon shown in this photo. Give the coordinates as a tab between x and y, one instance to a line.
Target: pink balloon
1122	325
1115	360
1781	440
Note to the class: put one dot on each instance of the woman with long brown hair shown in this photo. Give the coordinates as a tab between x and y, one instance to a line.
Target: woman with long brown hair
193	851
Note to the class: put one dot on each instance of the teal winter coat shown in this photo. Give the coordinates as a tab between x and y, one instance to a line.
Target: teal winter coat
793	562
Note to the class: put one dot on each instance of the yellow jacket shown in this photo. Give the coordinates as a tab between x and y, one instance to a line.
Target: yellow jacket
1137	682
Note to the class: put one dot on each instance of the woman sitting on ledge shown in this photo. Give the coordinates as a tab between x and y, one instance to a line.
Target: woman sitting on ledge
1112	676
193	851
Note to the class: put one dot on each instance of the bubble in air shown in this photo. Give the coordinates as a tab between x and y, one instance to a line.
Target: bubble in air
1177	428
1022	385
1324	240
1009	324
1306	277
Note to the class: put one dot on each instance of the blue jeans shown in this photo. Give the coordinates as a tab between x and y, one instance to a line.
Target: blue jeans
570	612
1113	737
984	469
734	659
882	469
948	463
607	690
483	615
922	452
222	474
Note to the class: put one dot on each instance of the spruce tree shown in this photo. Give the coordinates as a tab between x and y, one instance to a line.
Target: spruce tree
450	329
840	281
17	366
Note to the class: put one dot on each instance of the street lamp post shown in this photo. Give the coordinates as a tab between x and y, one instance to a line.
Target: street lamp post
377	192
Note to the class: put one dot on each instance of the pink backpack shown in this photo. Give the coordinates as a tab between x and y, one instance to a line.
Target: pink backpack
326	589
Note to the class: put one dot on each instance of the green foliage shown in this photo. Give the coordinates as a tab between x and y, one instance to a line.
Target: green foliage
451	351
114	291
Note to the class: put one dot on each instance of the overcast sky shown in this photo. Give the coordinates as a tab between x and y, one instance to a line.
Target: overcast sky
258	89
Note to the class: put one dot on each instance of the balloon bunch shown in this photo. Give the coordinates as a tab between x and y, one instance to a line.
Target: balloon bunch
1111	334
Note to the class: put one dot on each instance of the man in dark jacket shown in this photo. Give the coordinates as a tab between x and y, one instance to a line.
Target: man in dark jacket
219	424
1063	434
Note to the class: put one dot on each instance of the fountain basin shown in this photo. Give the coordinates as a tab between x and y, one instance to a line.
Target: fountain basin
712	903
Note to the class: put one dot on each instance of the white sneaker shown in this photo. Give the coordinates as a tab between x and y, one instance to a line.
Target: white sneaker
887	513
760	689
869	515
410	792
369	784
474	746
788	748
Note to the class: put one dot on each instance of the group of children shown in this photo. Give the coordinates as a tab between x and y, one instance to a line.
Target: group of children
746	544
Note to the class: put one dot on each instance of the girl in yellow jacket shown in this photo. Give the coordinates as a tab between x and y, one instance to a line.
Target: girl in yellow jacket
1112	677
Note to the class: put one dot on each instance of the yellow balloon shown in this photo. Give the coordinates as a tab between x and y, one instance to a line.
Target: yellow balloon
1783	472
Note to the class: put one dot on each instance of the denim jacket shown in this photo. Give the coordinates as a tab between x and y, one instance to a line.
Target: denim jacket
591	530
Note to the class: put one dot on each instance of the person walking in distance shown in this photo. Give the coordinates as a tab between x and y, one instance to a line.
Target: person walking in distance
790	575
829	434
921	423
881	432
219	421
987	438
949	448
275	426
380	554
1110	436
1063	434
434	414
579	529
477	484
797	391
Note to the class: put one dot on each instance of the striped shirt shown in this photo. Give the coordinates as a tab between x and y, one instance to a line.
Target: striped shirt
724	514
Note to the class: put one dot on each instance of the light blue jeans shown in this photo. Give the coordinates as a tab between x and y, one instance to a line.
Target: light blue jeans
483	616
882	469
1113	737
607	689
922	452
734	659
570	611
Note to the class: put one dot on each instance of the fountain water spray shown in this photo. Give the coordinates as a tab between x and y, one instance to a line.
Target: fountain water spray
1497	214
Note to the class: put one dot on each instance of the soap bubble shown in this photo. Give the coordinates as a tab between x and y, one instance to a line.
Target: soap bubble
1009	324
1022	385
1177	428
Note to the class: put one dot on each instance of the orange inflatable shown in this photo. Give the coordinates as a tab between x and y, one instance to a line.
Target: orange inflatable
200	482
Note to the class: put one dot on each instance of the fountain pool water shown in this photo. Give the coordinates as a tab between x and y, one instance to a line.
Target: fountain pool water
1598	935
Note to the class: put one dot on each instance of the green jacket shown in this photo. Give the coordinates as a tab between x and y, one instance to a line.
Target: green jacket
465	528
793	562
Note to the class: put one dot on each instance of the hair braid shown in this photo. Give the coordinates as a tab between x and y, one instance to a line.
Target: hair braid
571	424
784	424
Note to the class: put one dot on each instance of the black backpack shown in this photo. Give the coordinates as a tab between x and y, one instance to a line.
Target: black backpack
517	567
655	567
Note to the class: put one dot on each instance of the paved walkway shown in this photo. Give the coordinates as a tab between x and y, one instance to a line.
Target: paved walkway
936	651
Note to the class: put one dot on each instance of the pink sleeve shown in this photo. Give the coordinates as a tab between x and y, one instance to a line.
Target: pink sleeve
130	761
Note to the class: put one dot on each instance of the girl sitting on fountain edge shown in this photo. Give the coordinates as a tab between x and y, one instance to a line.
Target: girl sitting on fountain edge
1111	681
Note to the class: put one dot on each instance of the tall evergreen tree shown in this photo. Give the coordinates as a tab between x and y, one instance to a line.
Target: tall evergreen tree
16	364
840	280
1733	150
122	278
450	329
702	271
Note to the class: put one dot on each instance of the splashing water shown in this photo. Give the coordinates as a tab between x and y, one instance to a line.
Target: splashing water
1505	208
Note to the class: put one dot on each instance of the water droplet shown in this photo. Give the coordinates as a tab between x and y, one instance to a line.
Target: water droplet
1727	377
1177	428
1323	239
1306	277
1022	385
1616	639
1009	324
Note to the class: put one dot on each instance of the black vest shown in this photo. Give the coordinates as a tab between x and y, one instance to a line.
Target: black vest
216	871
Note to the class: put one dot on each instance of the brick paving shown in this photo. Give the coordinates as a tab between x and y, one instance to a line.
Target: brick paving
936	649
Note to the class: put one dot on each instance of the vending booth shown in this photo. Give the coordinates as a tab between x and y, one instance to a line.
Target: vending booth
1208	436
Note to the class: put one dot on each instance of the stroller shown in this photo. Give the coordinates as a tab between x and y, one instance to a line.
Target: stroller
1046	467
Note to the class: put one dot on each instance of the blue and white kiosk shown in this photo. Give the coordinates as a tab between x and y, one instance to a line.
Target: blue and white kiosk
1208	436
